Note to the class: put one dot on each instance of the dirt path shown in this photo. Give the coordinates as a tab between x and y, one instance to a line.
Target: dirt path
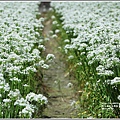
60	96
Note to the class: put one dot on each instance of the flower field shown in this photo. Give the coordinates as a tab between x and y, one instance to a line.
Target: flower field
21	45
88	36
92	47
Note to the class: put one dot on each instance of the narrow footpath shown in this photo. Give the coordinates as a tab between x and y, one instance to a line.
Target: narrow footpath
62	93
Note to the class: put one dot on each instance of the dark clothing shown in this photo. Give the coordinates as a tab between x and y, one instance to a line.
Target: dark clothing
44	6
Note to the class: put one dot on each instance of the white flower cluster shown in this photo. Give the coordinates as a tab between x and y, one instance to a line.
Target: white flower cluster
21	44
36	97
50	57
28	108
96	27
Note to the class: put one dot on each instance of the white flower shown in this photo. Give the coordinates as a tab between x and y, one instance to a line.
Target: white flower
41	47
27	111
36	97
79	63
15	79
1	76
13	56
15	93
44	99
47	39
36	52
6	87
25	85
51	32
106	72
118	97
53	17
1	87
70	57
102	71
69	85
30	96
54	22
21	102
115	80
57	31
50	56
45	66
55	82
87	83
41	62
73	103
66	40
6	100
100	68
54	36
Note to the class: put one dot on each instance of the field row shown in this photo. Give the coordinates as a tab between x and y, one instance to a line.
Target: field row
21	46
93	50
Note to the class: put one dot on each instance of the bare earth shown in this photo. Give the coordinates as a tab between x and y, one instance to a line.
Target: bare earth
60	95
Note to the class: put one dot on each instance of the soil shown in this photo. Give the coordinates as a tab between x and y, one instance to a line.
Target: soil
61	93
